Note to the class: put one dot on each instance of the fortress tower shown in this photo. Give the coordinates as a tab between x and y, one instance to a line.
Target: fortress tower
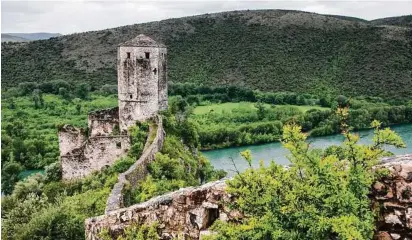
142	88
142	80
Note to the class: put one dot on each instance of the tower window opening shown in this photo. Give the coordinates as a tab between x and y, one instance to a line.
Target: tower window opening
118	145
155	71
128	55
147	54
131	96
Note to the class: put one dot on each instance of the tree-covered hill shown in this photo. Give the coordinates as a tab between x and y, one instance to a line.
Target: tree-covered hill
404	21
276	50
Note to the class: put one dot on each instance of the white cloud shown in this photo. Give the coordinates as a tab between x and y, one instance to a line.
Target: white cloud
78	16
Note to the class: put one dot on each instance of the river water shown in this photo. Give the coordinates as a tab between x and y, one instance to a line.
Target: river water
221	158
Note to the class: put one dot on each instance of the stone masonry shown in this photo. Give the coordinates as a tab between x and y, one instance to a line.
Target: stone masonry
83	152
189	212
137	171
142	79
392	197
142	93
184	214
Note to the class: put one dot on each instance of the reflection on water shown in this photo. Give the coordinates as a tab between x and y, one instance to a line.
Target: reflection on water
221	158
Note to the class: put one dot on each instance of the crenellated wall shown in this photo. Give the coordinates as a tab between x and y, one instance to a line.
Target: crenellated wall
187	213
138	170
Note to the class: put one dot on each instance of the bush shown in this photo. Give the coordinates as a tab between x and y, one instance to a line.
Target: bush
321	195
32	184
53	172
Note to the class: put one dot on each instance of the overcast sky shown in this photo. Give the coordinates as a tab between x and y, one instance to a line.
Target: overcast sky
79	16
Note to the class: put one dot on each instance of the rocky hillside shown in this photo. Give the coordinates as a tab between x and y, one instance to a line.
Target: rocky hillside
275	50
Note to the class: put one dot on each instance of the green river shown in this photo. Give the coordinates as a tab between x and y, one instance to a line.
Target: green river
220	158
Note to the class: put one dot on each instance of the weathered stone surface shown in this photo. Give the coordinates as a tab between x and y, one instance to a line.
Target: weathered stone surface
104	122
186	219
80	156
70	138
142	80
93	155
382	236
393	195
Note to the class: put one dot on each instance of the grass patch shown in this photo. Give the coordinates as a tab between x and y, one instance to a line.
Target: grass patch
153	126
229	106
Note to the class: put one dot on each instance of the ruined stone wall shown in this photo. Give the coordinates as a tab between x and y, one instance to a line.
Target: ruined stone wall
80	155
392	196
70	138
186	213
103	122
95	153
138	170
190	211
139	84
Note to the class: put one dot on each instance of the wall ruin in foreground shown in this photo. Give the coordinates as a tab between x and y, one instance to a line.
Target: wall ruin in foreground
189	212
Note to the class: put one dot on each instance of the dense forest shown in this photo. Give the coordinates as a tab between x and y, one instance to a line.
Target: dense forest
267	50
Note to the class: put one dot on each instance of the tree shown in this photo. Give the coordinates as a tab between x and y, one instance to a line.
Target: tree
261	110
82	90
322	195
64	93
37	98
77	102
342	101
53	172
10	175
27	87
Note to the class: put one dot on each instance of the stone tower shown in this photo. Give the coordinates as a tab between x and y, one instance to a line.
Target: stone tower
142	80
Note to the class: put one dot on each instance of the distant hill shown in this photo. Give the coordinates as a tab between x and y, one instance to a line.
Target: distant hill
27	36
10	38
403	21
270	50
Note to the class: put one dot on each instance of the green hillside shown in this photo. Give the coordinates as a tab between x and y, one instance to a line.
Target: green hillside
274	50
404	21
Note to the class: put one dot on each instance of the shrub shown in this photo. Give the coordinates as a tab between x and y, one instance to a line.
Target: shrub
321	195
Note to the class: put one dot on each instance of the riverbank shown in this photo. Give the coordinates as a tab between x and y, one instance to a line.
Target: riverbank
226	157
